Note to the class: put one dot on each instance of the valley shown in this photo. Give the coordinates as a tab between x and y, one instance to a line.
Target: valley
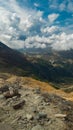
41	82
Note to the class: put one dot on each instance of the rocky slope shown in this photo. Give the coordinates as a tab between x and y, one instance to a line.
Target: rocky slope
28	104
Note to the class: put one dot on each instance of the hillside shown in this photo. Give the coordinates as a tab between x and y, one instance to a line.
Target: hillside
57	67
15	62
39	106
54	67
12	58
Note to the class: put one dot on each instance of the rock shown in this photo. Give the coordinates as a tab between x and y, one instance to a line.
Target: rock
37	127
5	127
1	96
29	117
60	115
37	91
19	105
9	94
11	90
14	98
41	116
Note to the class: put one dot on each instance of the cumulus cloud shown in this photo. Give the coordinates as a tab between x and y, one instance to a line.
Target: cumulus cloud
16	21
66	5
62	6
52	17
58	42
63	42
27	28
49	30
36	42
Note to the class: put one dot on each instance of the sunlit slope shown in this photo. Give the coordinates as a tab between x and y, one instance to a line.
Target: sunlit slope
46	87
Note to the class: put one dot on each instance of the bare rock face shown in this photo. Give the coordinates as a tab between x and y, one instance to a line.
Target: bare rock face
5	127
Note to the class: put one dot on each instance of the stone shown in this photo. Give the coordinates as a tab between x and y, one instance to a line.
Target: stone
37	91
41	116
37	127
19	105
60	115
29	117
1	96
9	94
11	90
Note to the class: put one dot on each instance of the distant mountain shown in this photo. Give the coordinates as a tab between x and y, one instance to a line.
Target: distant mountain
35	50
57	66
48	51
15	62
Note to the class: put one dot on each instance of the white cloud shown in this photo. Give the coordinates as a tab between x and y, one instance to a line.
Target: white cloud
16	21
63	42
36	42
52	17
49	30
37	31
66	5
53	4
58	42
70	5
36	5
62	6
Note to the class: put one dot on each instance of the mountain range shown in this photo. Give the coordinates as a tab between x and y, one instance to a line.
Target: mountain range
55	67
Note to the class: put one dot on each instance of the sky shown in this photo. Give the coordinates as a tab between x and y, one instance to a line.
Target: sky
37	24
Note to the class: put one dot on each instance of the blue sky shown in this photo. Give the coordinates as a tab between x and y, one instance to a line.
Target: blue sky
37	23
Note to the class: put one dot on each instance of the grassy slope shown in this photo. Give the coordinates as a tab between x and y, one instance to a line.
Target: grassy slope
32	83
